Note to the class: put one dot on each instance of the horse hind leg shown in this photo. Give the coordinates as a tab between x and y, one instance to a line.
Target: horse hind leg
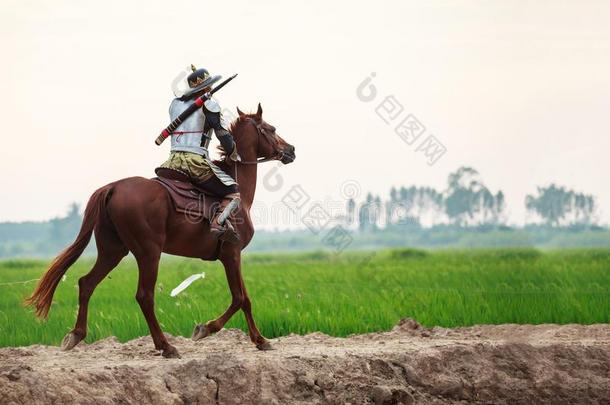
110	252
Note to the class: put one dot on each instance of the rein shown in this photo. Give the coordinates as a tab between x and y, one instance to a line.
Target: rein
263	160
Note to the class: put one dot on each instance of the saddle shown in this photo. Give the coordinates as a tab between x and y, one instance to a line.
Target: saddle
187	198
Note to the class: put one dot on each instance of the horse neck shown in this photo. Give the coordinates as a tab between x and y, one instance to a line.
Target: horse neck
246	178
245	174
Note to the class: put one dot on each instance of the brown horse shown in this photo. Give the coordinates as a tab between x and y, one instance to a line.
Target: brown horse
136	215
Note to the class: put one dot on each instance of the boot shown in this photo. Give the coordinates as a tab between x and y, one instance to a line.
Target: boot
220	226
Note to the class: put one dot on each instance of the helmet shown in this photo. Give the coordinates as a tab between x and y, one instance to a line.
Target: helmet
199	80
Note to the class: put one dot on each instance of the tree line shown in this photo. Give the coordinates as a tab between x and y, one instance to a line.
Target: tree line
465	214
468	202
33	239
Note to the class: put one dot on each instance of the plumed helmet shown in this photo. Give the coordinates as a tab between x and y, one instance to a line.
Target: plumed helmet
199	79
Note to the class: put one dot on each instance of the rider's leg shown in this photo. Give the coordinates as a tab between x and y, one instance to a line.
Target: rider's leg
220	225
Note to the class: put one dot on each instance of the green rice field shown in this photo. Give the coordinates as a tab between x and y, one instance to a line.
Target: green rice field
354	292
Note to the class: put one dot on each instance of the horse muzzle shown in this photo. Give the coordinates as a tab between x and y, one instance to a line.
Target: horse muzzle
288	155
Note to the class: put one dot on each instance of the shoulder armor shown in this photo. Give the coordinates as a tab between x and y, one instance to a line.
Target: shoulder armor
211	105
173	105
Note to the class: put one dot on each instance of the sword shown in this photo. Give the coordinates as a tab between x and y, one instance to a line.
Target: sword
190	110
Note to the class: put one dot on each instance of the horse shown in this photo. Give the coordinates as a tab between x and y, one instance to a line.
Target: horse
136	215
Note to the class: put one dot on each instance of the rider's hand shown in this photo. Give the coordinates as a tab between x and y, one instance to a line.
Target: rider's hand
234	156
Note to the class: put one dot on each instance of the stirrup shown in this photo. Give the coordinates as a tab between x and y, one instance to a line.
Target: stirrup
225	232
230	235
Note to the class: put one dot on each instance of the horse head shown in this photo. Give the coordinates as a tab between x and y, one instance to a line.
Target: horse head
257	140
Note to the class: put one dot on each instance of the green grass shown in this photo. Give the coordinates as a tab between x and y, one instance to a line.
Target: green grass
339	295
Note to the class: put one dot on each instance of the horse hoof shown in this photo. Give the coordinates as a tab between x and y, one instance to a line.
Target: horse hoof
266	345
170	352
69	341
200	332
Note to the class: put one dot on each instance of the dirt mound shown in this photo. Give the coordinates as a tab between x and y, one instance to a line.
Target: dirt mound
410	364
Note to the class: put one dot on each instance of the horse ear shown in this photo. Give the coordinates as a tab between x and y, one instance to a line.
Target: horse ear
241	114
259	112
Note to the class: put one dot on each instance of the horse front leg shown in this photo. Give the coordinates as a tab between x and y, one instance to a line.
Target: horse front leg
231	259
257	338
231	263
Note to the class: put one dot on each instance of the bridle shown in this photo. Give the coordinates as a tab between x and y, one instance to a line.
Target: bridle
262	131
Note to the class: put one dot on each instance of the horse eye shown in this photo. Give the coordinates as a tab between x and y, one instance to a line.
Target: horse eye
272	129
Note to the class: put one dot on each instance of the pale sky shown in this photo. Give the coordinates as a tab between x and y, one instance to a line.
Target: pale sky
518	90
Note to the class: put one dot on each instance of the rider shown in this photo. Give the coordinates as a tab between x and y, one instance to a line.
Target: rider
189	149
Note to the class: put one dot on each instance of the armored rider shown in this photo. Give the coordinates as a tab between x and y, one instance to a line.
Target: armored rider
189	149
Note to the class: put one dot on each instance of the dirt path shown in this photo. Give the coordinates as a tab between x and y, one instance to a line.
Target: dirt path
410	364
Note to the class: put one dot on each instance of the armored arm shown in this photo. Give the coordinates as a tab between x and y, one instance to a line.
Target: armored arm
214	119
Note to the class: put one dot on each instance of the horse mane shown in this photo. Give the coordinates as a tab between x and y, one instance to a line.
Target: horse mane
233	128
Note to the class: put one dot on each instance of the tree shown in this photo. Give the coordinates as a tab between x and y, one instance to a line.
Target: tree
414	206
469	202
368	215
559	206
351	211
63	230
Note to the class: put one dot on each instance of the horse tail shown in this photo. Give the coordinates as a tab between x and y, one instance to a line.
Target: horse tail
42	296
